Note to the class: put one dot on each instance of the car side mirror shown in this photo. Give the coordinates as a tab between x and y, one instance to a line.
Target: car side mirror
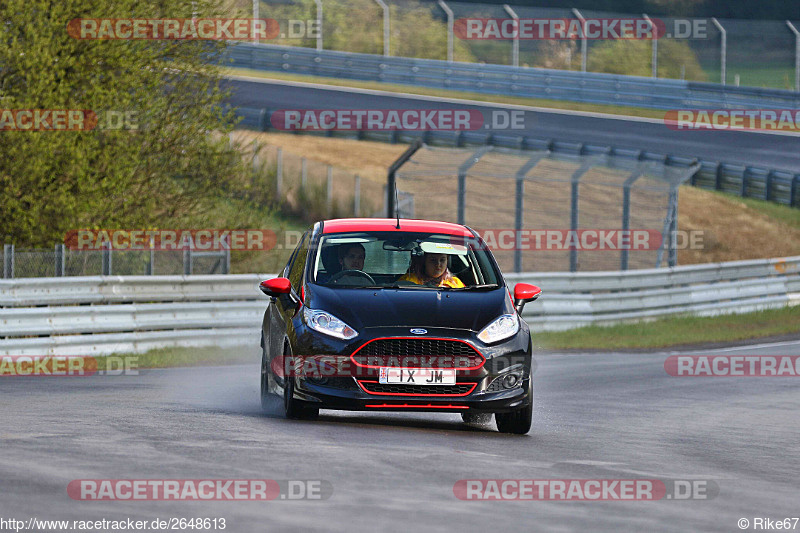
276	287
524	293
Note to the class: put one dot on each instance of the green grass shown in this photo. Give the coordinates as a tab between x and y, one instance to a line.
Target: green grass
675	331
783	213
424	91
768	75
180	357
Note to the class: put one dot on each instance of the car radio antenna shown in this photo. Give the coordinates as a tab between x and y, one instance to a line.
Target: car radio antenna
397	204
392	196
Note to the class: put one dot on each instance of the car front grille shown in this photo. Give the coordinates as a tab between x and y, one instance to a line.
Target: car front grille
459	389
418	353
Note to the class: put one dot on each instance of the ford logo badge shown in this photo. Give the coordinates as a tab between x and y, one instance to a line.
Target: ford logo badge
419	331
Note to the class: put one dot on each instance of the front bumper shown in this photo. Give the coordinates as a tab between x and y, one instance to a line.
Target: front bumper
324	397
479	392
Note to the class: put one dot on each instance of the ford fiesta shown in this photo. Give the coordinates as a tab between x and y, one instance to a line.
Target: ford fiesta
397	315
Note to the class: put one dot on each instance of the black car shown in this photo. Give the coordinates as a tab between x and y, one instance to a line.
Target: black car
365	317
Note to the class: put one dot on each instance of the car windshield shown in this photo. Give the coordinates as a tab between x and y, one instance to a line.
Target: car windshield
402	260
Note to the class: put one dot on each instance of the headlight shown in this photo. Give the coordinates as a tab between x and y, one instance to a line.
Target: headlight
328	324
504	327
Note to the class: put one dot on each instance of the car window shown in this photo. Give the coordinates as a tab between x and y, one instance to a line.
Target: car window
387	257
298	262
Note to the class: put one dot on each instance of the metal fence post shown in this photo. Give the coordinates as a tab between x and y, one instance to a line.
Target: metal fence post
673	230
584	43
279	175
573	210
255	17
515	45
226	261
152	260
796	55
626	210
329	195
107	259
519	206
449	13
319	24
357	197
655	45
187	262
59	260
462	180
8	261
723	54
385	26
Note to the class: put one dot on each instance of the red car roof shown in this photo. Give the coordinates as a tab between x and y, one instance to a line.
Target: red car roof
342	225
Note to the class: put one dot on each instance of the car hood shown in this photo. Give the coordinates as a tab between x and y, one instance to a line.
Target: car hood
365	308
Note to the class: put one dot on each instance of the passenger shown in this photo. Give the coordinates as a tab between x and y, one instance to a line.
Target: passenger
352	256
431	269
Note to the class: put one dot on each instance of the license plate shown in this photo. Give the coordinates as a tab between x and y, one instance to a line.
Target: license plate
417	376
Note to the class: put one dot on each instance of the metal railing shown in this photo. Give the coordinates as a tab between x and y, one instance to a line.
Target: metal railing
550	84
774	185
746	51
61	261
98	315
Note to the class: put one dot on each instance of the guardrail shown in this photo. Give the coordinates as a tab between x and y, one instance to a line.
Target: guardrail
106	314
601	298
586	87
774	185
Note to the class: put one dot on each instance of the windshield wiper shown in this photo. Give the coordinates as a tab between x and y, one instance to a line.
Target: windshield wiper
477	287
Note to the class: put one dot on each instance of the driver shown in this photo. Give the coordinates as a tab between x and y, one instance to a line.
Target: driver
351	256
431	269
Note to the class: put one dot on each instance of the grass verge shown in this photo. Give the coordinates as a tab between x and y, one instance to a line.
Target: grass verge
460	95
674	331
783	213
179	357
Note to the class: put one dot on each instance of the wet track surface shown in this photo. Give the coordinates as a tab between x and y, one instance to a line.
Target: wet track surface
749	148
596	416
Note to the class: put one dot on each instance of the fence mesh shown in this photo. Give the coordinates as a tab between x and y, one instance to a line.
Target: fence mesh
500	192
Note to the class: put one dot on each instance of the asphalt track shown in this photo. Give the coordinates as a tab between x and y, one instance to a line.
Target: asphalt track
769	150
597	416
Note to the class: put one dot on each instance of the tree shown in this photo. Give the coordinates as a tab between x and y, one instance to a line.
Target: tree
357	26
53	181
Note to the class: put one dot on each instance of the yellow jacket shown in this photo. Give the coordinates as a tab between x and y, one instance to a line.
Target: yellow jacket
453	282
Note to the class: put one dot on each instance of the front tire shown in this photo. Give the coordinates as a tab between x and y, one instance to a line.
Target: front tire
294	409
517	422
266	396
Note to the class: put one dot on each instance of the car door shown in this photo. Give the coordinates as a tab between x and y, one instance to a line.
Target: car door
280	312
